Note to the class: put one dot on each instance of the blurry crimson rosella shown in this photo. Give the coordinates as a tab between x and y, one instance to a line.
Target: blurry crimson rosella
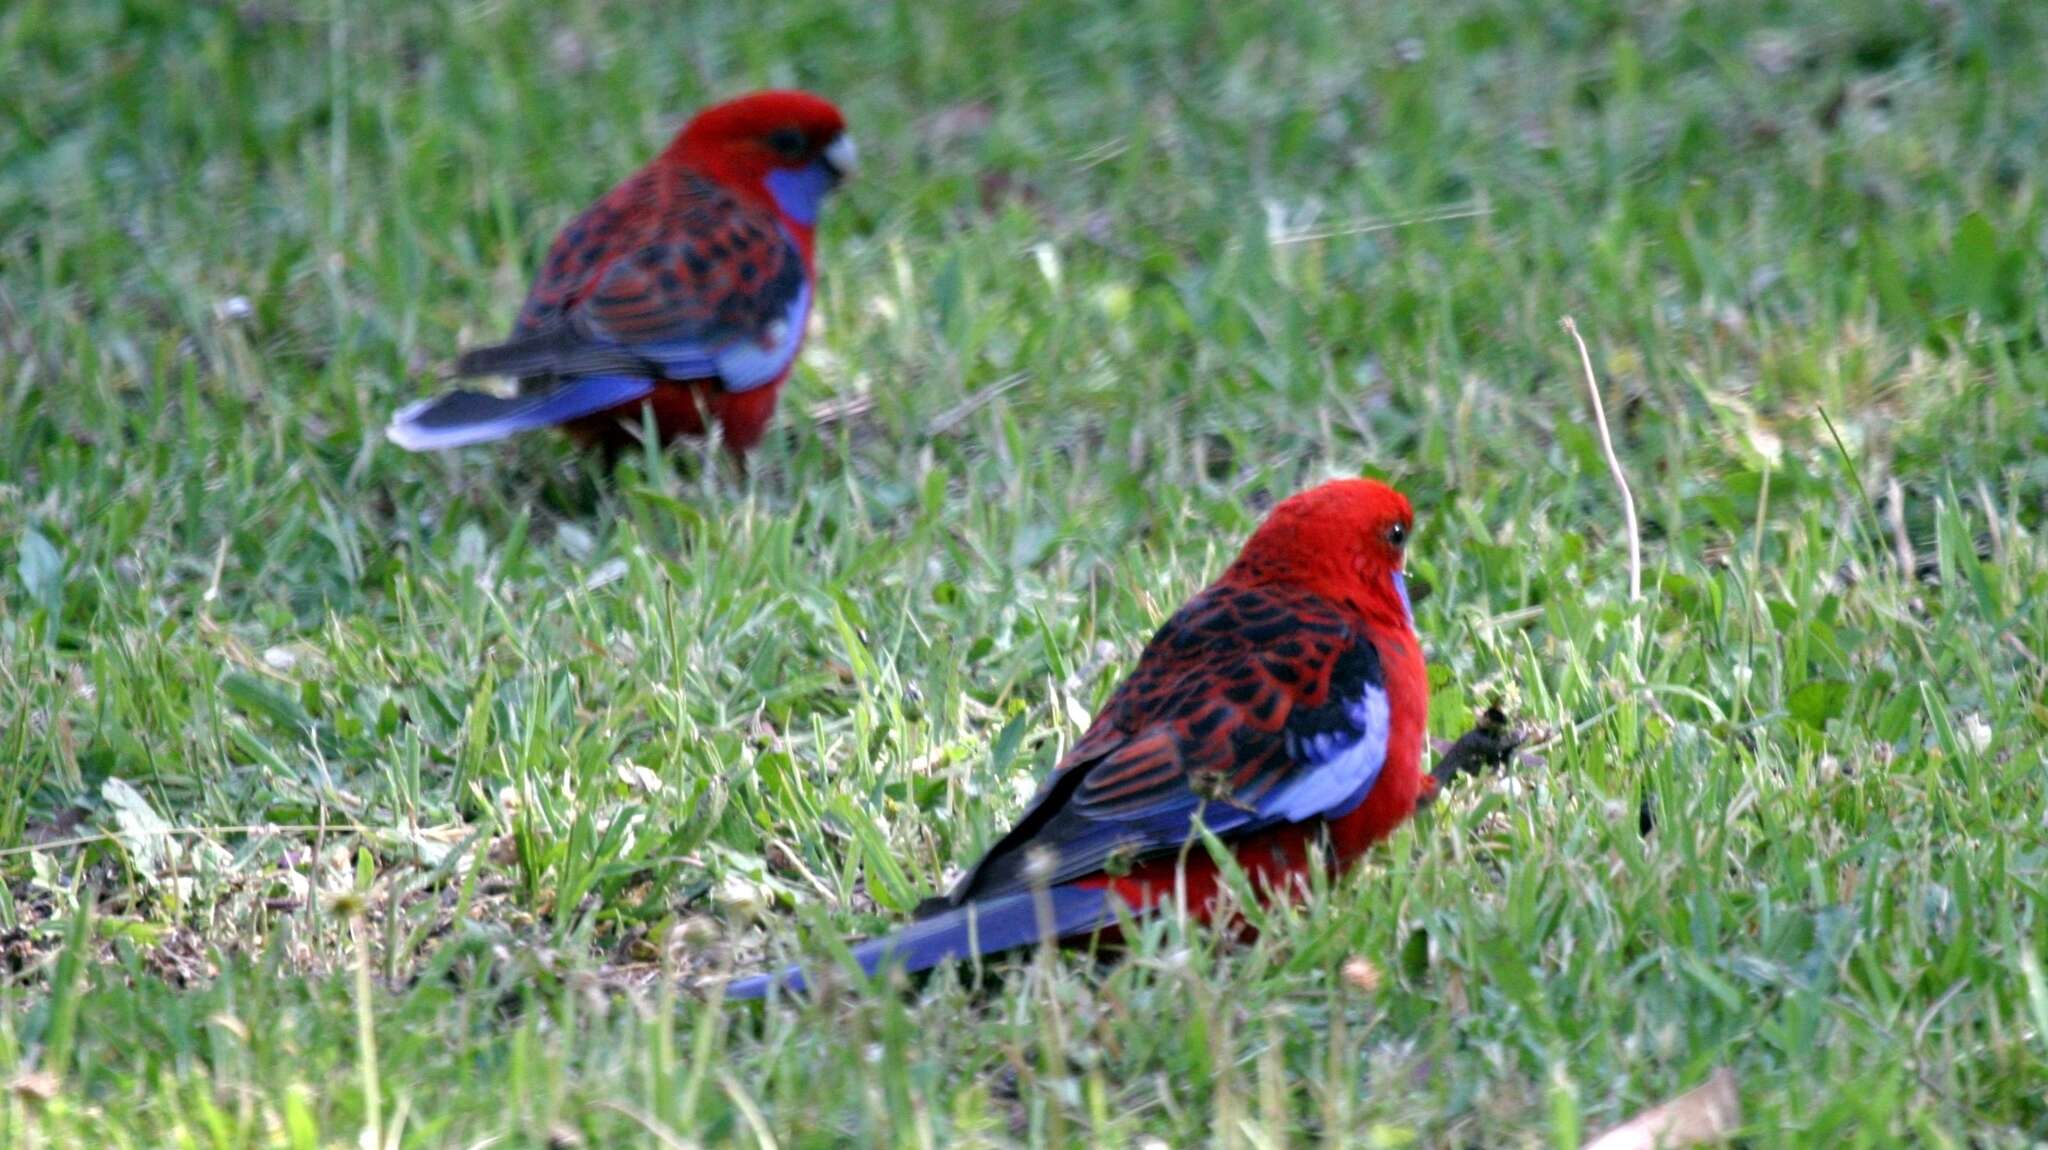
1283	705
687	288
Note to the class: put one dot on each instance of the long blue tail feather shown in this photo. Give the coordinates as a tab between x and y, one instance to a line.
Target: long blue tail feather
977	928
460	418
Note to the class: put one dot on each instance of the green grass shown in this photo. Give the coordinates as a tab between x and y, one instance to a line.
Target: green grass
1116	275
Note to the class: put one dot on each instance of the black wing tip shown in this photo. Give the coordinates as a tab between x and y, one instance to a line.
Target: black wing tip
489	359
450	408
429	424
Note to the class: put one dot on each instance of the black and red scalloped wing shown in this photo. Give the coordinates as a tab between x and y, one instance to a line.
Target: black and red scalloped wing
669	275
1252	707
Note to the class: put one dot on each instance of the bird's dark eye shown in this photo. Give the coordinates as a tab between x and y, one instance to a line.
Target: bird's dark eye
787	142
1397	534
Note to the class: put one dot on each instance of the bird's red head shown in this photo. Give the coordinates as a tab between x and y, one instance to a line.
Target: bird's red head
1346	540
790	147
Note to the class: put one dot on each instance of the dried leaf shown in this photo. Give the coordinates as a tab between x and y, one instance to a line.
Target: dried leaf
955	123
1360	972
41	570
144	833
35	1086
153	845
1707	1114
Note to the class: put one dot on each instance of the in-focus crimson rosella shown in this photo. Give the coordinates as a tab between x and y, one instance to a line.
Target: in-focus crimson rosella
1284	704
686	289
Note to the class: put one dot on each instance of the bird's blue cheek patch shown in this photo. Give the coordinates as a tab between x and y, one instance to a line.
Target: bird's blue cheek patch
799	192
1401	589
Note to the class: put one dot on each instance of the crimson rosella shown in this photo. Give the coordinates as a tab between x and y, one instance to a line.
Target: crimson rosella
686	288
1282	706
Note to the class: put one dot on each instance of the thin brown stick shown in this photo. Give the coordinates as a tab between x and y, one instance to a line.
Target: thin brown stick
279	829
1628	499
949	420
1709	1113
1369	226
648	1122
1991	513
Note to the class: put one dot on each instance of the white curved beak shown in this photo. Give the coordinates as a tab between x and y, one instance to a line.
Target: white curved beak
842	156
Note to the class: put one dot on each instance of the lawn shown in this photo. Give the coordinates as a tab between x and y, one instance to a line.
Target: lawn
360	798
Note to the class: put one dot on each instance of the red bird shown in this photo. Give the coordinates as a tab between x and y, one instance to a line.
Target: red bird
687	288
1283	705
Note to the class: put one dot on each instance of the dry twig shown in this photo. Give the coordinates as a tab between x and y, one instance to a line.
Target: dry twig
1628	499
1707	1114
1902	542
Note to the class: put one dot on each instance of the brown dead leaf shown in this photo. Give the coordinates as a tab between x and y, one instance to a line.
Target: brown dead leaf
849	409
1361	973
35	1086
61	826
951	125
1456	1001
1707	1114
998	188
182	959
504	851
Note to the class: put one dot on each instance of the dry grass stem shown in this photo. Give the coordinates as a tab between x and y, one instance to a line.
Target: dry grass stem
1628	499
1902	543
1707	1114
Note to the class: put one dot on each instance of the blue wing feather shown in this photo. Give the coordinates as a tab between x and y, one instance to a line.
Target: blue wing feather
739	362
1340	764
